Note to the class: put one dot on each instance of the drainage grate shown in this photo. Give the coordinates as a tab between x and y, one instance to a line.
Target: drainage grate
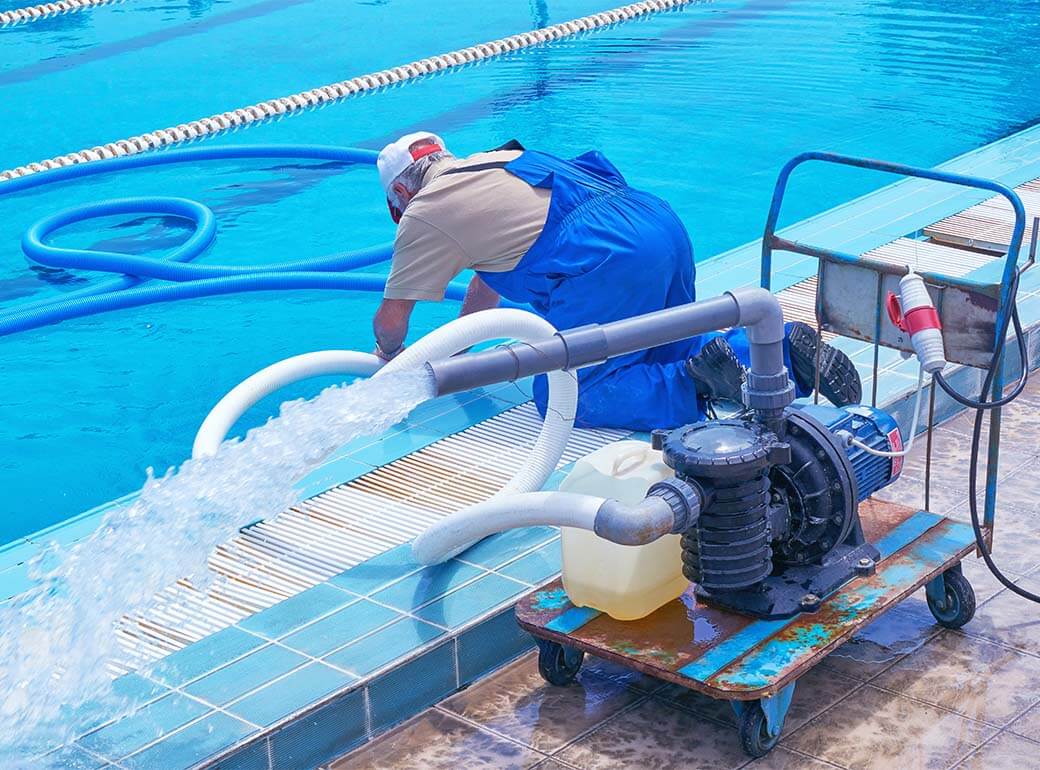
321	537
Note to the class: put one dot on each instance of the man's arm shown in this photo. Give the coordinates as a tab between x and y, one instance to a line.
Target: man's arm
391	326
479	296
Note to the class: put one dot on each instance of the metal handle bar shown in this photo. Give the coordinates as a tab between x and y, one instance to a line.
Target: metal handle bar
770	240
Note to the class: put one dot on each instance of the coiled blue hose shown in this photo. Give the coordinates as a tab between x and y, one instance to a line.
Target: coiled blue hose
186	280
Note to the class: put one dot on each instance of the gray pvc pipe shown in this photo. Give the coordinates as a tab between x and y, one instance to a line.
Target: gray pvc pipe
755	309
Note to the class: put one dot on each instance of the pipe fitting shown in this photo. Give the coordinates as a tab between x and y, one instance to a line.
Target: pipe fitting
685	499
646	521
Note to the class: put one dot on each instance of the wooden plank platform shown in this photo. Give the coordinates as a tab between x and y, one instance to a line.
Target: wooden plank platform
731	656
987	225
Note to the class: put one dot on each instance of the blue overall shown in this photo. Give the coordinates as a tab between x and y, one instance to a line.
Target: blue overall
606	252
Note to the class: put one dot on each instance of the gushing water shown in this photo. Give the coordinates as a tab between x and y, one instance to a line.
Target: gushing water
56	639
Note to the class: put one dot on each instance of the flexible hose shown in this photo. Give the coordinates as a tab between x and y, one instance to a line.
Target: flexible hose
193	281
524	326
35	317
225	414
441	343
453	534
176	266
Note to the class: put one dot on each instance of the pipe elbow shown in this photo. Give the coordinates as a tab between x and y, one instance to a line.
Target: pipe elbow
645	522
760	313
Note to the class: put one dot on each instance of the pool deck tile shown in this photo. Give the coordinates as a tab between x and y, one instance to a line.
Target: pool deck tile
377	649
296	611
373	574
206	655
426	585
536	567
471	601
191	745
290	694
144	726
245	674
339	628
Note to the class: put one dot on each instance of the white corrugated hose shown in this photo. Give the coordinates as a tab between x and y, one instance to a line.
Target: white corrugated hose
316	97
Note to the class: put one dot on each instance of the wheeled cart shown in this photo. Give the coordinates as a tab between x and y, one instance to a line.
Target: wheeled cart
755	664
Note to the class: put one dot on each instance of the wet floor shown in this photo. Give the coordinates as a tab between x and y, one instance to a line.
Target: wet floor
902	694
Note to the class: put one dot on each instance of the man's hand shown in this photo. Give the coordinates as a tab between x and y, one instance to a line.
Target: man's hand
391	326
379	353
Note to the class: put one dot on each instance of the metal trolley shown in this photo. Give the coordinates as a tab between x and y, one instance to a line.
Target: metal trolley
755	663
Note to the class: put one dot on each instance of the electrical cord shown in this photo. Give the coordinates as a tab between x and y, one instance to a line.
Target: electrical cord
853	441
981	408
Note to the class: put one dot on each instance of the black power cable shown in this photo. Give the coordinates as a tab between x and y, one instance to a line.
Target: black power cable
981	407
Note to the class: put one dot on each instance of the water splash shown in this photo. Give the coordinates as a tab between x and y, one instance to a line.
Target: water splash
55	640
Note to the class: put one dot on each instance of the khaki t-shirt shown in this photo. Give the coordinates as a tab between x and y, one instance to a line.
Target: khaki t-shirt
479	220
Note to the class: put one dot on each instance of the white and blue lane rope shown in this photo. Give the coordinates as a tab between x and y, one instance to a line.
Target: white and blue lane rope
46	10
316	97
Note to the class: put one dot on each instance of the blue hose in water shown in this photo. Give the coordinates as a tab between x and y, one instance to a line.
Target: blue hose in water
186	280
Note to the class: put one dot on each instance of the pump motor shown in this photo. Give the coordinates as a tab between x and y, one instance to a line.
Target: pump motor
779	527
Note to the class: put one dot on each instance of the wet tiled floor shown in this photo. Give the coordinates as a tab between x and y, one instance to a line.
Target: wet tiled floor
904	693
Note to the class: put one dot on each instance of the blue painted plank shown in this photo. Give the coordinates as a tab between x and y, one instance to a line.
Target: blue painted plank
907	531
571	620
728	650
804	636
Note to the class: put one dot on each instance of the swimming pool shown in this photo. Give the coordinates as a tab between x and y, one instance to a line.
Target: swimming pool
701	106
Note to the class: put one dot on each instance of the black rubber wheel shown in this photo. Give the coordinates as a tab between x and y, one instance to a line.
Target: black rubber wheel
959	602
754	731
557	664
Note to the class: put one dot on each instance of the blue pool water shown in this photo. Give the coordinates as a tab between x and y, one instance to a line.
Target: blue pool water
701	106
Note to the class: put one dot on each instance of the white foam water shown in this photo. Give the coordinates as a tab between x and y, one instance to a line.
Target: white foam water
55	640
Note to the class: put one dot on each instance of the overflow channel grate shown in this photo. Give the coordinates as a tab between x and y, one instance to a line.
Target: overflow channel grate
320	537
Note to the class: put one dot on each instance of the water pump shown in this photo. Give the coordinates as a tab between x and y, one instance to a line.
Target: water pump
778	527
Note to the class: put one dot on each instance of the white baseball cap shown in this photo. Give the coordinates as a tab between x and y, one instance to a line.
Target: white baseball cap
399	155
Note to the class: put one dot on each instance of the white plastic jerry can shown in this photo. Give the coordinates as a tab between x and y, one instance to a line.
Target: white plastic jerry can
627	582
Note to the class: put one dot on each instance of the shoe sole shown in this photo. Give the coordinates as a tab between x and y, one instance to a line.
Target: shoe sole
839	380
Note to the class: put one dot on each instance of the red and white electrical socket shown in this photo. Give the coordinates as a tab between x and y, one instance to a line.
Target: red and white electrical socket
913	312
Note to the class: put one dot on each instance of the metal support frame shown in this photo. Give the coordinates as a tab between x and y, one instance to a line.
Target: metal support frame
772	242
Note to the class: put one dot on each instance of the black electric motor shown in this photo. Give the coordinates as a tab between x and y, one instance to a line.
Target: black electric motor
779	526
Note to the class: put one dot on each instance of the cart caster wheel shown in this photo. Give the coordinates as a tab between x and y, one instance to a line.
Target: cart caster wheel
557	664
957	605
754	731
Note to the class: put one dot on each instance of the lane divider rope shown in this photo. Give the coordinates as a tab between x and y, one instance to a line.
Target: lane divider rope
45	10
315	97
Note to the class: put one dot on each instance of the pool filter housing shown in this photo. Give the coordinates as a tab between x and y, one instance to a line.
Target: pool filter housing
779	527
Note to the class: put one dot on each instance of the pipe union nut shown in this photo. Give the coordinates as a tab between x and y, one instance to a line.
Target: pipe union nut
686	500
